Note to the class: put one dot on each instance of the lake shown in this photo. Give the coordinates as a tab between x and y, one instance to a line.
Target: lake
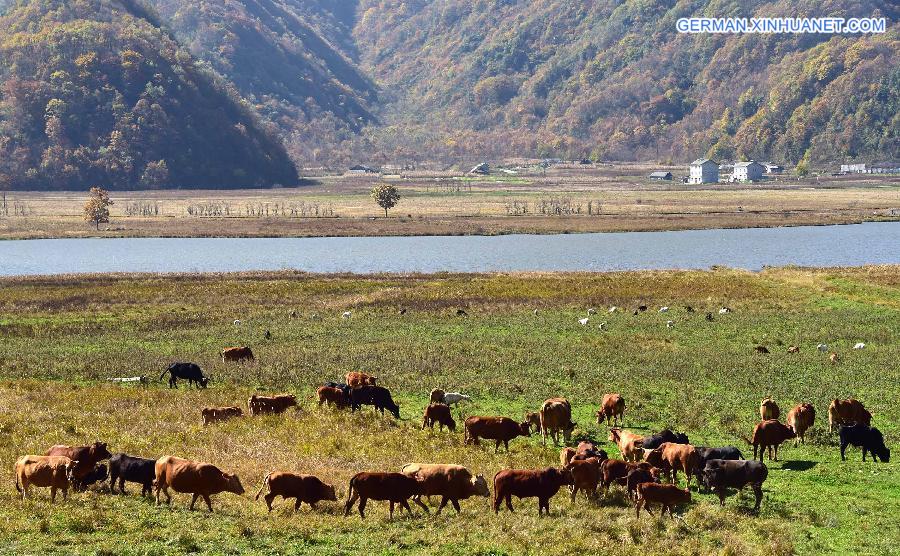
752	249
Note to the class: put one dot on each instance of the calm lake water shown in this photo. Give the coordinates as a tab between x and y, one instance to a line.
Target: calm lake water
870	243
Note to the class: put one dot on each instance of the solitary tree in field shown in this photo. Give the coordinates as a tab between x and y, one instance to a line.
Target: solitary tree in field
386	195
96	209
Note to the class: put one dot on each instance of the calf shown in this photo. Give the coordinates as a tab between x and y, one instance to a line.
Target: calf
801	419
868	438
630	445
123	467
768	409
451	482
720	475
396	488
618	470
304	488
259	405
333	396
706	454
638	476
440	414
87	457
190	372
193	477
542	484
585	476
612	407
237	354
847	412
453	398
358	380
44	471
216	414
667	496
556	417
96	475
437	396
499	429
769	434
655	440
674	457
376	396
566	455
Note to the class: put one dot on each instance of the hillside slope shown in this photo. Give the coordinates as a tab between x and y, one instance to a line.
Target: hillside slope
93	93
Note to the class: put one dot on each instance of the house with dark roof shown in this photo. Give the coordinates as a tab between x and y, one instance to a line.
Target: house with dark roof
704	170
661	176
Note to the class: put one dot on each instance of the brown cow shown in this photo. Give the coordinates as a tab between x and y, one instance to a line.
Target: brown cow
847	412
440	414
215	414
437	396
396	488
533	418
612	407
801	419
451	482
769	434
668	496
528	483
556	417
259	405
630	444
44	471
332	396
193	477
768	409
237	354
617	470
566	455
638	476
86	456
305	488
674	457
499	429
585	476
358	380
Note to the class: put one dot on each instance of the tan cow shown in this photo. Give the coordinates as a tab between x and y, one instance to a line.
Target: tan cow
768	409
673	458
451	482
358	380
193	477
556	417
612	408
846	412
55	472
630	445
801	419
259	405
216	414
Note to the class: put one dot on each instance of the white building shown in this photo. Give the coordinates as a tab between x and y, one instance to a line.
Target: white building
704	170
748	171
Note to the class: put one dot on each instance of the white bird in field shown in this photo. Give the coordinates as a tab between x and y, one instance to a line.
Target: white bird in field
860	345
663	309
613	309
346	315
582	322
724	310
592	311
822	347
237	323
670	324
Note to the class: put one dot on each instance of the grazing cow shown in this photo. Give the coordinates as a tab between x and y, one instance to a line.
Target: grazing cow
533	418
667	496
193	477
333	396
453	398
437	396
305	488
720	475
588	449
794	349
529	483
358	380
237	354
586	476
666	435
44	471
768	409
761	350
706	454
769	434
396	488
87	457
630	445
259	405
801	419
440	414
612	408
674	457
190	372
556	417
377	396
123	467
97	475
499	429
216	414
451	482
618	470
638	476
847	412
868	438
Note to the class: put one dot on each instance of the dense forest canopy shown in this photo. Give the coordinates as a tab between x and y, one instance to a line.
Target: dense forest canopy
230	93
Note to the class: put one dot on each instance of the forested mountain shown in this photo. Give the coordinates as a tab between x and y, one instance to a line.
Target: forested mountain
92	92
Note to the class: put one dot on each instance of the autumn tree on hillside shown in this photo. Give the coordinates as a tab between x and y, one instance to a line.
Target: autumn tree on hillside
386	195
96	209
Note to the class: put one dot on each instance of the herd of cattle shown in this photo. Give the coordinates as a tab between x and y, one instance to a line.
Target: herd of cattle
644	459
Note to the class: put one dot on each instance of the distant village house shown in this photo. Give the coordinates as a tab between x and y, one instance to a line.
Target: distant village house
704	170
772	168
661	176
874	168
482	169
360	169
748	171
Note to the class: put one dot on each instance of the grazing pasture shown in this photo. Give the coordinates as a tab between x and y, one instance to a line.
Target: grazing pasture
62	338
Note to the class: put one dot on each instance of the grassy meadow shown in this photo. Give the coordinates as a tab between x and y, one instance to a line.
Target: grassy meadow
61	338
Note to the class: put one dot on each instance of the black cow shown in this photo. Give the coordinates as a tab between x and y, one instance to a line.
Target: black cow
378	396
97	475
720	475
190	372
655	440
706	454
123	467
343	387
869	439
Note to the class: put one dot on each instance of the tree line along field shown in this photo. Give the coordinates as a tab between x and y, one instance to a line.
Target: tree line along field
61	338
